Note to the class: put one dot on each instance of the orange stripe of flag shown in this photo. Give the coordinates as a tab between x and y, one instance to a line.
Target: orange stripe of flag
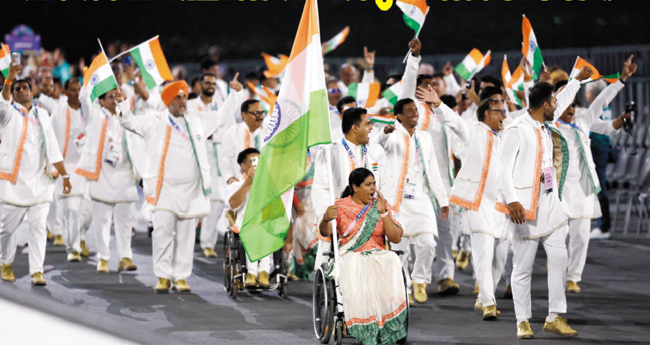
5	50
515	76
306	30
421	4
526	28
99	61
373	94
476	55
580	62
159	58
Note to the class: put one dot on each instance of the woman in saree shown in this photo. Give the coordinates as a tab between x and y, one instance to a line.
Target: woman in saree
370	277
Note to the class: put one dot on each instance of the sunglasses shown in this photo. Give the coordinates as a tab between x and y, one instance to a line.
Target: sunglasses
334	90
500	111
257	113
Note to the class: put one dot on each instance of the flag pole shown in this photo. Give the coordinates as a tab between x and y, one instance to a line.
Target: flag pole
417	34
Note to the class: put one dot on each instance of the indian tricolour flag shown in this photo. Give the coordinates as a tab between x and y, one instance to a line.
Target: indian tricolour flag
274	65
507	77
531	50
473	63
386	119
5	59
153	65
580	62
336	41
365	94
99	78
415	11
300	120
392	93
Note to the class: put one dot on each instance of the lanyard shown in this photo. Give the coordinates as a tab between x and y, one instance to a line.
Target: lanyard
364	154
178	128
572	125
25	113
417	154
83	116
351	226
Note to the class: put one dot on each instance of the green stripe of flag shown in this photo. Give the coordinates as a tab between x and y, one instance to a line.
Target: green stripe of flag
282	164
538	62
352	90
5	72
390	96
102	87
462	71
148	79
411	23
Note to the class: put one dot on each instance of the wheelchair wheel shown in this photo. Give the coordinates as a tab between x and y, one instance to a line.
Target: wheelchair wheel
283	288
233	282
338	332
226	264
323	307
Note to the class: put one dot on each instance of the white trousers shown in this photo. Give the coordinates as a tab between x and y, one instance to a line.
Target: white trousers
454	228
577	245
446	264
261	265
55	217
209	229
10	220
466	243
488	260
121	214
424	247
507	271
78	217
523	259
173	245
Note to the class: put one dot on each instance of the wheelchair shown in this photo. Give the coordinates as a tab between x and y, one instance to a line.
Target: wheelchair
327	311
234	266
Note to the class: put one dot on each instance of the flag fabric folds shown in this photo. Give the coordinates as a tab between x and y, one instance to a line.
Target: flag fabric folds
415	11
531	50
580	62
274	65
337	40
365	94
153	65
473	63
5	59
99	78
300	120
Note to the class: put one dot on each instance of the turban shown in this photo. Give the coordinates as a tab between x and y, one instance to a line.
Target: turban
170	91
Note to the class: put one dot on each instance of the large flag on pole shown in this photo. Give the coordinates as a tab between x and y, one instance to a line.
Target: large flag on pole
337	40
5	59
274	65
415	11
98	78
473	63
580	62
153	65
531	50
300	120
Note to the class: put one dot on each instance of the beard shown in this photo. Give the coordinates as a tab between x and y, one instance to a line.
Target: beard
548	115
207	93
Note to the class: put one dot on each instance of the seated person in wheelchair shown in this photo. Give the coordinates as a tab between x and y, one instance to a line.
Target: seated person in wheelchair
370	277
237	196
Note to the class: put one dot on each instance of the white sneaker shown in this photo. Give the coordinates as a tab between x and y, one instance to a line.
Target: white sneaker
597	234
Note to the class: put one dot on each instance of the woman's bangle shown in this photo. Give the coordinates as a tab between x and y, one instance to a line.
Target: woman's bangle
65	176
382	215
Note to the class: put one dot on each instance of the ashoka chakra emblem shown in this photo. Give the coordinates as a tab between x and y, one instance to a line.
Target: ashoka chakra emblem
149	65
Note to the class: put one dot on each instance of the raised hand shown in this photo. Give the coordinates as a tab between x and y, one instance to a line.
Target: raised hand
427	95
628	69
235	85
381	203
389	129
585	72
524	64
369	57
415	47
545	77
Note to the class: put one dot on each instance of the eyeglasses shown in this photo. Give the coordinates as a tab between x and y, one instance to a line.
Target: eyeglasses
500	111
257	113
334	90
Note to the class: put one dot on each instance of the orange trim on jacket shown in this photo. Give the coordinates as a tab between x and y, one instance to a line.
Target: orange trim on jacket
402	176
94	175
476	203
19	155
161	170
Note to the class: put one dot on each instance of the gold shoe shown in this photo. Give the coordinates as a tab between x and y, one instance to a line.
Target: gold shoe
420	294
508	292
84	249
8	273
454	253
250	280
209	253
163	285
263	279
490	313
559	327
448	287
463	260
411	302
58	240
181	286
478	305
475	288
74	257
126	265
102	266
50	235
292	277
524	331
37	279
572	286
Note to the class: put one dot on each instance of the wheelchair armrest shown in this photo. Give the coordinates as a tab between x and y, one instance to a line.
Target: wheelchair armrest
398	252
329	254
